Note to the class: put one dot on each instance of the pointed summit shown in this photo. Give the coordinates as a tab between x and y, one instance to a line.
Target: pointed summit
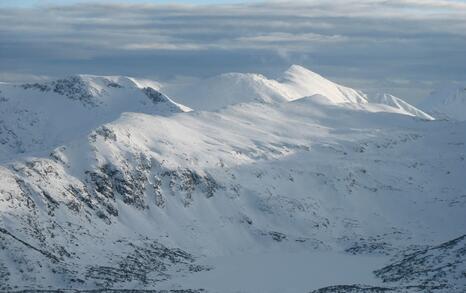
304	82
298	70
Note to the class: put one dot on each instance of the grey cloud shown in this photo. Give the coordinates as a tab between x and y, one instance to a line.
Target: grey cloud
374	44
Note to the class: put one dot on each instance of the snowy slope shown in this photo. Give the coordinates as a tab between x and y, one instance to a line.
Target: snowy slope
246	179
153	197
227	89
398	104
432	266
37	117
296	82
446	103
299	82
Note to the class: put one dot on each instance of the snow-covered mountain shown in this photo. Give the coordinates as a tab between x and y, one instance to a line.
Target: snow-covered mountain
446	103
296	82
126	189
36	117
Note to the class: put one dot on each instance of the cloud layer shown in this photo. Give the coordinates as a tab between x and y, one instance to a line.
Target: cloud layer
400	46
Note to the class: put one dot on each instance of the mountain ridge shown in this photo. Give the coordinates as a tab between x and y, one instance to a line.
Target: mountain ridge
38	115
296	82
151	199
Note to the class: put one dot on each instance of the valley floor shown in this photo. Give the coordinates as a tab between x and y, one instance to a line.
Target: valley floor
279	272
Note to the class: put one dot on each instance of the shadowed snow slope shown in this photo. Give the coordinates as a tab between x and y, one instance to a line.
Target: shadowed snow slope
446	103
297	82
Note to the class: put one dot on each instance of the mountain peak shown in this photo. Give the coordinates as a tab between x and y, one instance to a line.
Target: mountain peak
91	90
304	82
297	82
74	105
298	70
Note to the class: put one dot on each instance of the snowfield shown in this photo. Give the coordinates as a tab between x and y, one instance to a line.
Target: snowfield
297	82
446	103
256	185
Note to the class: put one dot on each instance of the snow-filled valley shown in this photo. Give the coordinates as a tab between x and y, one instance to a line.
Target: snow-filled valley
235	183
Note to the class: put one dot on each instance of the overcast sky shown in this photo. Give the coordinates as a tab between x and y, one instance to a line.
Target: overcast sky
405	47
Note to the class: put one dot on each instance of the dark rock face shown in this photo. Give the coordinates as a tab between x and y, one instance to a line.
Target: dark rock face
436	266
153	95
440	268
378	289
135	183
159	98
186	182
108	181
114	85
43	87
277	236
147	264
353	289
106	132
143	263
73	88
370	246
47	245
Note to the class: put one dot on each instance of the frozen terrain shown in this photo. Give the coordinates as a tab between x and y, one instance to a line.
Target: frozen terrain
38	117
290	185
446	103
297	82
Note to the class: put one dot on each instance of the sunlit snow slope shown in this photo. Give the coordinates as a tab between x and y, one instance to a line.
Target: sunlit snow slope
297	82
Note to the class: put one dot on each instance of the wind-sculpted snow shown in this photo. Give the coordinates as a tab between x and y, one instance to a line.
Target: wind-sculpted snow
151	200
